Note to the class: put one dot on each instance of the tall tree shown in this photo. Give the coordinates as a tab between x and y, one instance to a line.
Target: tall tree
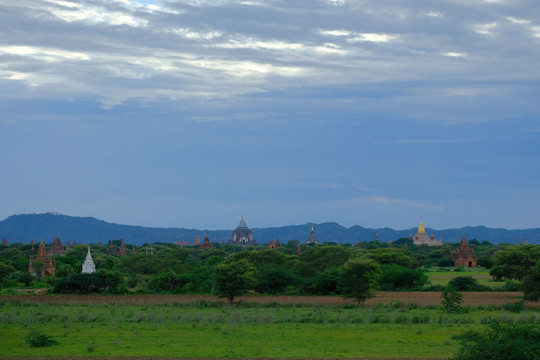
359	279
234	279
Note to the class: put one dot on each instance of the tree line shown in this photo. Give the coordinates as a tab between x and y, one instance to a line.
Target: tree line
290	269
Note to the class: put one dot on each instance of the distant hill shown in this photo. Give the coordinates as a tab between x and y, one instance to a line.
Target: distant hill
17	228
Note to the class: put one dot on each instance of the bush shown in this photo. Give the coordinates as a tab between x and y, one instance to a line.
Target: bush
500	342
102	281
452	299
531	284
38	339
511	285
466	283
395	277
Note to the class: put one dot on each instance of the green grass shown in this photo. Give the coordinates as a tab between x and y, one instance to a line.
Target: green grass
442	277
244	331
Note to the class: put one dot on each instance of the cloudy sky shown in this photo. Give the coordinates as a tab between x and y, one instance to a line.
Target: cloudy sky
192	113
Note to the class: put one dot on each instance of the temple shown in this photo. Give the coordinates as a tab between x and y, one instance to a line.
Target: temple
206	243
312	239
88	267
242	235
57	248
272	245
42	265
422	238
464	256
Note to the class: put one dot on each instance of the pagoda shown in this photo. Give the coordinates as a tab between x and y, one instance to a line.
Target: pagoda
123	250
57	248
242	235
42	265
312	239
422	238
464	256
206	243
272	245
88	267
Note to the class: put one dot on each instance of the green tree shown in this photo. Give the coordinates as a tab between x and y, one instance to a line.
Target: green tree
500	342
531	284
451	299
466	283
5	270
516	261
386	256
395	277
359	279
234	279
325	283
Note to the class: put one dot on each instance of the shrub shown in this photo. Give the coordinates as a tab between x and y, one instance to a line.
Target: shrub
515	307
395	277
466	283
500	342
452	299
531	284
38	339
511	285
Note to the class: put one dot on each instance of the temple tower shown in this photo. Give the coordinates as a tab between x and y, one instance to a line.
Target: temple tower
422	238
465	256
312	239
242	235
88	267
42	265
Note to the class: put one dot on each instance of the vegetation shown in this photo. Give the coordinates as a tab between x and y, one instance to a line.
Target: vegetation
451	299
359	279
500	342
234	279
316	270
206	329
38	339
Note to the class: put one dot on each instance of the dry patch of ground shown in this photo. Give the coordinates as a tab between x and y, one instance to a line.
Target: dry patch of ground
417	297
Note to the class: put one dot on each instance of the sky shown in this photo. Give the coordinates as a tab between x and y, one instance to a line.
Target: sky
193	113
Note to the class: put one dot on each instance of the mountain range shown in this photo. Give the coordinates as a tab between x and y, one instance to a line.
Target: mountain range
24	227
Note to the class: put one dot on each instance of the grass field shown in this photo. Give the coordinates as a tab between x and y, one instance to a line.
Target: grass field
207	329
442	277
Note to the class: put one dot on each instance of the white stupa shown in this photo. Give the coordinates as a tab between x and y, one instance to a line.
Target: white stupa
88	267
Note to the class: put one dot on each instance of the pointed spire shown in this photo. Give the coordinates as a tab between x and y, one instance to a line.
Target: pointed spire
421	228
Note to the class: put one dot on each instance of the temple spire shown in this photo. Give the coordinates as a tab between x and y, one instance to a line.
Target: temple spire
421	228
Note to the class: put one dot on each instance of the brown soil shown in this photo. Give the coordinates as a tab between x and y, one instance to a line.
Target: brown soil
420	298
184	358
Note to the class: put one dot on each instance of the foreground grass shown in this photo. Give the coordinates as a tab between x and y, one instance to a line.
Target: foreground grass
242	331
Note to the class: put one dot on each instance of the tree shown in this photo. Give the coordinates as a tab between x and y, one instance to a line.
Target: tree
531	284
359	279
234	279
395	277
385	256
466	283
516	261
500	342
451	299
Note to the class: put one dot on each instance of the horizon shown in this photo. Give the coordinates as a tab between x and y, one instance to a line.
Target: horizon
188	113
267	227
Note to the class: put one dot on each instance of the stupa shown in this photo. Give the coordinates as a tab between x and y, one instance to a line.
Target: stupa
422	238
242	235
57	248
88	267
312	239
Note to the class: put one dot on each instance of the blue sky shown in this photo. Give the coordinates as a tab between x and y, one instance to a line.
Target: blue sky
192	113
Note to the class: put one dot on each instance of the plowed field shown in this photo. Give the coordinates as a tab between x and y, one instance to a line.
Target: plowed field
420	298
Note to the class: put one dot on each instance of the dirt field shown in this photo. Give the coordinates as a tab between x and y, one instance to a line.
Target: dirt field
184	358
420	298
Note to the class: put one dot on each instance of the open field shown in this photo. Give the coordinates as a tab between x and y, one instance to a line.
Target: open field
260	327
482	275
